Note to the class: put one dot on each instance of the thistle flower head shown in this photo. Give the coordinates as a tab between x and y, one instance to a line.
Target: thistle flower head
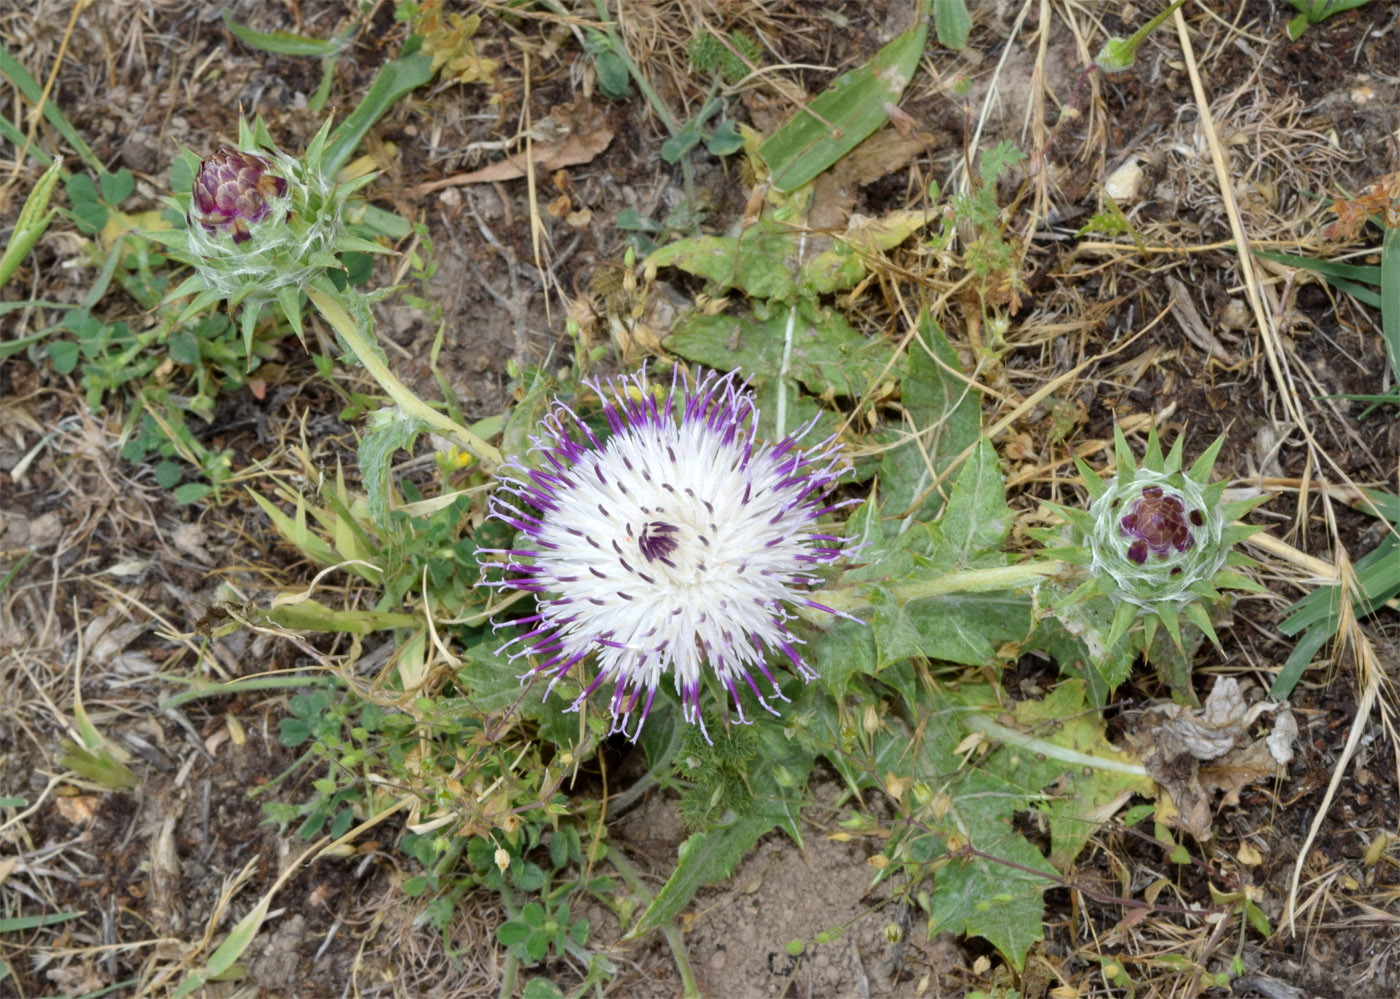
234	190
672	543
261	225
1157	540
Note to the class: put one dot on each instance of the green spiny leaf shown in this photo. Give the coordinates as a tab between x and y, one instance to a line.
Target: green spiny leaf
1123	618
1201	470
1196	614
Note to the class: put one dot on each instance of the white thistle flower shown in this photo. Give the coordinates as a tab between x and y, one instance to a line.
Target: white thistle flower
677	540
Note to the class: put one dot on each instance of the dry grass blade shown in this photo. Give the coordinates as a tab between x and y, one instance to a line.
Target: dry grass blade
1371	678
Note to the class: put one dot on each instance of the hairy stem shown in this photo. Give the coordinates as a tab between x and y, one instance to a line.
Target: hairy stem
1011	737
363	347
853	598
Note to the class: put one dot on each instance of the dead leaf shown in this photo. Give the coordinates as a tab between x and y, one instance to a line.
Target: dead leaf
1283	736
1237	769
1191	323
1214	729
573	134
834	192
1193	753
190	538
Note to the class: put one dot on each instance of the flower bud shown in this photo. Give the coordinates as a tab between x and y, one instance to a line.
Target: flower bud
262	226
1157	535
1157	539
1158	523
234	190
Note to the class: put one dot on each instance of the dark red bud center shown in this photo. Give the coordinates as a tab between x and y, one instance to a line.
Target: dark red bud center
1158	523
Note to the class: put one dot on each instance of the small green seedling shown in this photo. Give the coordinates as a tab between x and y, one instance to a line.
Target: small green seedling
1315	11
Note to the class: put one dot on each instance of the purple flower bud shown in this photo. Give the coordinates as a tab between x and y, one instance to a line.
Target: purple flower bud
1158	522
232	191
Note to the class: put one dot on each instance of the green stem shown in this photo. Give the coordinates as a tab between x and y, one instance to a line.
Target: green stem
1005	577
690	988
365	351
1009	736
1135	39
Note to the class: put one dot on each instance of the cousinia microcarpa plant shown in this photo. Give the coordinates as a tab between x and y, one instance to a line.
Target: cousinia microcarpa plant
263	228
261	225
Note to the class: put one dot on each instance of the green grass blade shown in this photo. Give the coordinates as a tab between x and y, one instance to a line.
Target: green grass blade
201	688
19	924
844	114
395	79
1381	504
1390	297
1360	292
13	71
1298	660
1327	268
285	43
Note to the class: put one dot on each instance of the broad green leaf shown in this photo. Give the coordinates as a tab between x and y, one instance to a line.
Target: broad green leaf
957	628
799	410
88	209
191	492
705	858
765	260
761	261
845	265
829	356
64	355
847	649
977	520
117	187
998	896
390	430
842	116
541	988
613	78
952	23
1077	796
944	417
